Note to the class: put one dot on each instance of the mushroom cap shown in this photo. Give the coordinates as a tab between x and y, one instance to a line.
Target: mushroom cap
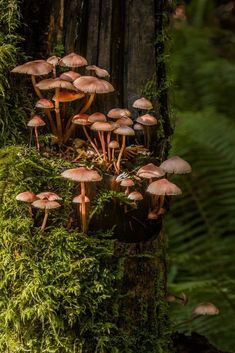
152	215
91	84
127	182
78	199
135	196
35	68
138	127
142	103
125	131
99	72
53	60
147	120
102	126
44	103
176	165
114	144
82	174
51	83
96	117
68	96
48	195
81	119
69	76
149	171
46	204
206	309
73	60
124	121
163	187
117	113
36	121
26	196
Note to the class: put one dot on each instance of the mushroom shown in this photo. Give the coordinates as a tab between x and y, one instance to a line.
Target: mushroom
29	197
113	145
206	309
44	103
123	131
117	113
127	183
82	175
73	60
54	60
102	127
68	96
37	68
150	171
176	165
45	205
143	104
124	121
90	85
96	117
35	122
98	71
56	83
48	195
135	196
82	119
78	200
69	76
147	120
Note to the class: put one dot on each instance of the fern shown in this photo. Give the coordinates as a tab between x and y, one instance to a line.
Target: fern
201	224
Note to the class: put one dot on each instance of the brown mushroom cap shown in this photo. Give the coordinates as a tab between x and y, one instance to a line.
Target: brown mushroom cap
73	60
125	131
96	117
46	204
127	182
114	144
52	83
149	171
35	68
91	84
135	196
68	96
81	119
206	309
176	165
102	126
44	104
163	187
124	121
138	127
147	120
78	199
117	113
48	195
26	196
36	121
152	215
69	76
142	103
53	60
99	72
81	174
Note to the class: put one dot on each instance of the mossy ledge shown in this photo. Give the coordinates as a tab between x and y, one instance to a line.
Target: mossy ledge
63	292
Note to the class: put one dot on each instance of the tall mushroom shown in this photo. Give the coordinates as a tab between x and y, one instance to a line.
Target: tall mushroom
29	197
123	131
54	60
82	175
147	121
102	127
37	68
45	205
35	123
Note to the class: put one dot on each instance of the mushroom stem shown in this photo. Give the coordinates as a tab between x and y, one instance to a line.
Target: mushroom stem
30	211
70	127
108	141
36	138
147	136
83	208
30	137
57	112
44	220
90	140
54	71
161	201
121	152
47	111
103	145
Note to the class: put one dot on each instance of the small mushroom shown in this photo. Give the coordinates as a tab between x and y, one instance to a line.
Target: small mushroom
135	196
147	121
73	60
78	200
35	123
45	205
82	175
143	104
69	76
123	131
44	103
127	183
117	113
206	309
102	127
97	117
29	197
98	71
48	195
176	165
150	171
54	60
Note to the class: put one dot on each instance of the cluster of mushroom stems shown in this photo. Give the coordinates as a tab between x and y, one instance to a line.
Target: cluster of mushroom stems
109	134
